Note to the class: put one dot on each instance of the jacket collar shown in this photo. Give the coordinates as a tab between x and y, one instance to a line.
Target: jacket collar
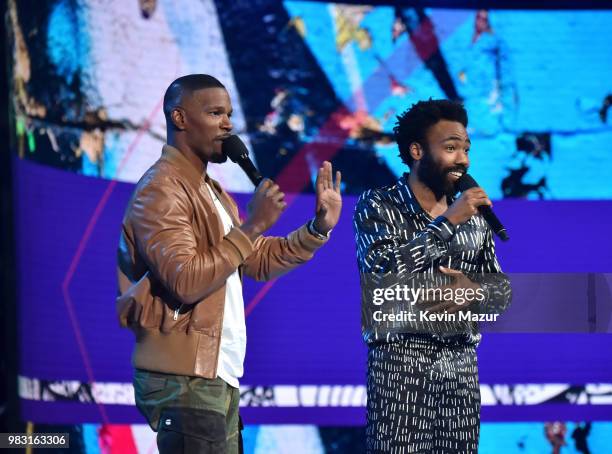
196	178
188	170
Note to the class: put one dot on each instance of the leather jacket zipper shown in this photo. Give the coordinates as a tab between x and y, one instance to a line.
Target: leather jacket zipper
176	312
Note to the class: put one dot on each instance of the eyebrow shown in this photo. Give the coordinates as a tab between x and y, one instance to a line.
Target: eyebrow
453	137
218	108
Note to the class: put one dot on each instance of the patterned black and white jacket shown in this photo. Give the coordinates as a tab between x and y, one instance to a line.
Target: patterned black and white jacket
396	237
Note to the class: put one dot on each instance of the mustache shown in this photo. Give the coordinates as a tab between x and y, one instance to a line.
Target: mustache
456	169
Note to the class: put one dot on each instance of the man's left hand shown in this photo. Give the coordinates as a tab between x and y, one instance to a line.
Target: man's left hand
329	200
459	281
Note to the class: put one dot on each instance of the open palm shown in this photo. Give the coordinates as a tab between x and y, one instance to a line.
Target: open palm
329	200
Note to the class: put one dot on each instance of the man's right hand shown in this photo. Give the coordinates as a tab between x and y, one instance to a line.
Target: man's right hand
466	206
263	209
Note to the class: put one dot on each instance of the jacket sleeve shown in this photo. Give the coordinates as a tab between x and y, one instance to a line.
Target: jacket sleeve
492	279
161	217
382	248
274	256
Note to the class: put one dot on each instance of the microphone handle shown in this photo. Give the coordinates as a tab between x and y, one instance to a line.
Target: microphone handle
494	222
251	171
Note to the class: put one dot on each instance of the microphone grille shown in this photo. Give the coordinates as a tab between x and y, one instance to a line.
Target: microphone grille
466	182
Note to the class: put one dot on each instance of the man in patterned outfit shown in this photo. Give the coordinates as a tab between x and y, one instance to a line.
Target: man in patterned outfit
423	391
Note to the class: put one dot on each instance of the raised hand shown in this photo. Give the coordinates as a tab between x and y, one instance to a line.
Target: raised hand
329	200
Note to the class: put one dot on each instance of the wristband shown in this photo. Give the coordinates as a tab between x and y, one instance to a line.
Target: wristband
314	232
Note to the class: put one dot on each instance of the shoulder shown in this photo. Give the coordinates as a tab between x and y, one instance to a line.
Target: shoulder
161	177
159	191
378	197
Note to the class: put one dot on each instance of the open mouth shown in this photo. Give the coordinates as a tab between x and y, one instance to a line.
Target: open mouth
456	174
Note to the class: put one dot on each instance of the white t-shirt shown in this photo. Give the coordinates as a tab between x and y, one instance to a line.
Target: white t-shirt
233	335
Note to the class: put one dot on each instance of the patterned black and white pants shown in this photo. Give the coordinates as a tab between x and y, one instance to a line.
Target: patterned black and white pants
423	397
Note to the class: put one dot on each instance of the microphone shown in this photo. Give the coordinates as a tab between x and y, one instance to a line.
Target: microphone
467	182
236	150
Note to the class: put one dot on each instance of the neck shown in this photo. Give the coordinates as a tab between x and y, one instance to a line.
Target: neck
429	200
181	145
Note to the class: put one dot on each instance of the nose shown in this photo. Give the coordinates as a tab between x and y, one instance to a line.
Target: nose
462	159
226	123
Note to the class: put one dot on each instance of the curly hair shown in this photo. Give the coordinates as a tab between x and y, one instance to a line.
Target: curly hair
413	124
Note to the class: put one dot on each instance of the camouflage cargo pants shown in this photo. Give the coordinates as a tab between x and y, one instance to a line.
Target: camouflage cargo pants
190	414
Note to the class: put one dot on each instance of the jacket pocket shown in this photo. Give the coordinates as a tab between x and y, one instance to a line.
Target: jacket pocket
176	317
135	303
144	305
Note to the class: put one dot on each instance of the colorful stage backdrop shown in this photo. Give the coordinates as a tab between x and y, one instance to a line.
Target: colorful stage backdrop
311	81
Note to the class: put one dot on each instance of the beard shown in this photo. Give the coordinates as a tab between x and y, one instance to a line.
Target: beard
437	179
217	156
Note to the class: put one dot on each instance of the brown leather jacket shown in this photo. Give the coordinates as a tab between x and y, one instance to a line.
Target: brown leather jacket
173	261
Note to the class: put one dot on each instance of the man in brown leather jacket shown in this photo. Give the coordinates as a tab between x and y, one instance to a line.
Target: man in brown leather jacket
182	254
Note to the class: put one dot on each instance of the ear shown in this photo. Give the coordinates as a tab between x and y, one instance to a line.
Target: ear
178	118
416	152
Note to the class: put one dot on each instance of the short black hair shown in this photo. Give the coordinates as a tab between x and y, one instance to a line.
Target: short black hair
185	86
412	125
